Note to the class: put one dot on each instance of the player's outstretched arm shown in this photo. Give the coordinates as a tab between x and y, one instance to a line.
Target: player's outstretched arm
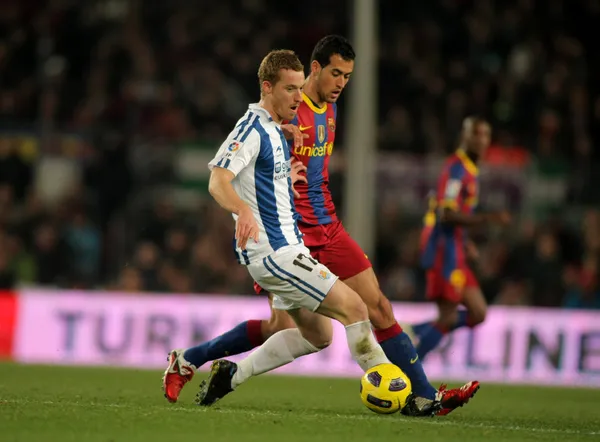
473	219
292	132
223	192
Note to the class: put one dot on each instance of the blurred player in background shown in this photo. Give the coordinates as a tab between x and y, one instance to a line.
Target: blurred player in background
444	243
332	63
250	177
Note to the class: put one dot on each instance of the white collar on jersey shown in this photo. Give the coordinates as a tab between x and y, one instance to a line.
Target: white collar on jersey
255	107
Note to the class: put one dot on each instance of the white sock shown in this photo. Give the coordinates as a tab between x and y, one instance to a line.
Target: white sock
364	348
280	349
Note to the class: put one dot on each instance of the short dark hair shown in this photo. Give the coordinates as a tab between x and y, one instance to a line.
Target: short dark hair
474	120
331	45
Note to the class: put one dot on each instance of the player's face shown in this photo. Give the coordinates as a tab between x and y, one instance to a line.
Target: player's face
479	137
286	94
333	78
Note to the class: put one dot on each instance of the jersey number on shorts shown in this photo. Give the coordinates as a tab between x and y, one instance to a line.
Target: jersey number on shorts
301	257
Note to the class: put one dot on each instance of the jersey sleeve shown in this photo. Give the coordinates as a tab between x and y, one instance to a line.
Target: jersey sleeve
235	155
450	186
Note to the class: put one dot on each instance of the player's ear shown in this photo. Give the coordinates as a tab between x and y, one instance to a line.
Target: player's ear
315	67
267	87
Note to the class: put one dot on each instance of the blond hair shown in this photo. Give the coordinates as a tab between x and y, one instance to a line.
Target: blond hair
276	60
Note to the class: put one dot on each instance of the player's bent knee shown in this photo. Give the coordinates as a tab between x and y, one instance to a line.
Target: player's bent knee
476	306
344	305
353	307
316	329
320	337
477	316
356	310
319	343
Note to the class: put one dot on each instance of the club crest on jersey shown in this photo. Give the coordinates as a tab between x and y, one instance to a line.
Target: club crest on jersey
234	146
453	189
321	133
331	124
324	275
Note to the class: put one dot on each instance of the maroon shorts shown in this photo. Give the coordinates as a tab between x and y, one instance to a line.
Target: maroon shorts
449	284
332	246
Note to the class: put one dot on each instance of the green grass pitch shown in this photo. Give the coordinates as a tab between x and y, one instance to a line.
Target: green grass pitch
39	403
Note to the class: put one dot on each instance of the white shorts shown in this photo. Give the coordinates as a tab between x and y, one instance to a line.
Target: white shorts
293	277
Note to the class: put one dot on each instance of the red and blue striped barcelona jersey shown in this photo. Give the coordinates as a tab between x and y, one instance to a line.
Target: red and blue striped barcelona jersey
457	189
315	204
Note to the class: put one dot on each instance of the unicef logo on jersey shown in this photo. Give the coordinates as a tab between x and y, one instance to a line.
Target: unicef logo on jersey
282	170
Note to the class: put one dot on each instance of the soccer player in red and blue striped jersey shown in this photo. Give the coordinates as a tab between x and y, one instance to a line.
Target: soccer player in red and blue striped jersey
316	119
444	242
332	63
318	124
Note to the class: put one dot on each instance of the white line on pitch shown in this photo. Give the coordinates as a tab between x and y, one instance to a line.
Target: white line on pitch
426	421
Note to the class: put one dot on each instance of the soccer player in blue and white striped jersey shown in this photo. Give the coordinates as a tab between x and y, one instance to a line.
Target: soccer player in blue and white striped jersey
250	177
257	154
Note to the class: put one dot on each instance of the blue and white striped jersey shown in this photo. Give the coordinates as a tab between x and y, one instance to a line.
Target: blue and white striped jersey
257	153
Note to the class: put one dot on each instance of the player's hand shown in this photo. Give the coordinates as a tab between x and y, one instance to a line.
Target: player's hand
297	168
245	228
292	132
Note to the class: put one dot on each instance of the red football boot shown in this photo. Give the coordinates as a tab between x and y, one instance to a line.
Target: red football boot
178	373
456	397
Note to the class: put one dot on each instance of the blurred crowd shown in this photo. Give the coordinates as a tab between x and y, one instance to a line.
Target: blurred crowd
526	64
95	97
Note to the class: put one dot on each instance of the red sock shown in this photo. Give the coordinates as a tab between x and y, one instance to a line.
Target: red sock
387	333
254	331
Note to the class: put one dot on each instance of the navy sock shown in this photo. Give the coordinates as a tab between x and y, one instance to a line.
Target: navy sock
429	341
433	334
242	338
400	351
422	328
462	321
